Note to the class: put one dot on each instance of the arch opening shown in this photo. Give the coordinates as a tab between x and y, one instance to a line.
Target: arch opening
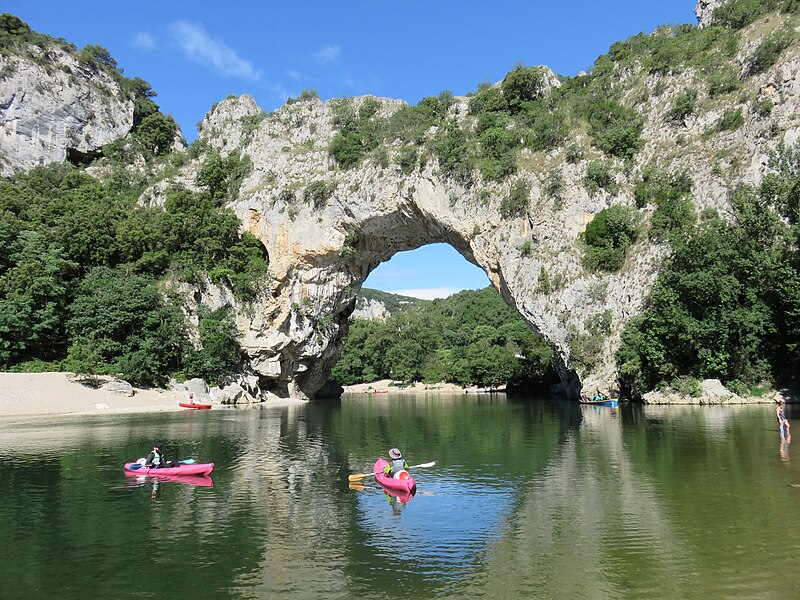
431	315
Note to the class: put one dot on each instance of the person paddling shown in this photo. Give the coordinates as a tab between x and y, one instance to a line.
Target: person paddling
156	460
396	464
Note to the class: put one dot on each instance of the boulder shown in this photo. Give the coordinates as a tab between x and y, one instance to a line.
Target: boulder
123	388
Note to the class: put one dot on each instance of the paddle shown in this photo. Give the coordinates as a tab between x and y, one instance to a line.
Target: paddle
186	461
360	476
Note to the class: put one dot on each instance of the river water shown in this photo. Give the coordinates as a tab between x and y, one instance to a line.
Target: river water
528	499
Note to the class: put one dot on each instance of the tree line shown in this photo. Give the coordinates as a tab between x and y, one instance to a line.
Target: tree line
470	338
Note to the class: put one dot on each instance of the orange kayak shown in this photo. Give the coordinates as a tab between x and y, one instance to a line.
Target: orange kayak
195	406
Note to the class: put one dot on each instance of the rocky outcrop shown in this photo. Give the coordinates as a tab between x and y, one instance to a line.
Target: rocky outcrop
705	11
53	108
372	310
711	391
326	228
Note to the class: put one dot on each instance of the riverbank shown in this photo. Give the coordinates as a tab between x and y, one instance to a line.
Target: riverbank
40	394
388	386
44	394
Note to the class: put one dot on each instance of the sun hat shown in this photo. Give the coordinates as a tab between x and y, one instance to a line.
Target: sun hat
395	453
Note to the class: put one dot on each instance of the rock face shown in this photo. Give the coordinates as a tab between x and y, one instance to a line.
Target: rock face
372	310
705	11
322	248
53	108
326	228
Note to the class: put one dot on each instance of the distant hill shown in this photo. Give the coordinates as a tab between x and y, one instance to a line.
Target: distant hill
378	305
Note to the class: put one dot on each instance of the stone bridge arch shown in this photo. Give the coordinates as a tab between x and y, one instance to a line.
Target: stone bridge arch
326	228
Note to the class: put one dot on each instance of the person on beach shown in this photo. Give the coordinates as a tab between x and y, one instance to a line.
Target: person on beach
156	459
396	464
783	422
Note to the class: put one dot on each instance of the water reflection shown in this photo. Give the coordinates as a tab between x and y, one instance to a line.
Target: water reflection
527	499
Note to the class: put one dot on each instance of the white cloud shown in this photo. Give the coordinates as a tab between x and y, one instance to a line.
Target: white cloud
201	48
296	75
144	41
327	55
427	293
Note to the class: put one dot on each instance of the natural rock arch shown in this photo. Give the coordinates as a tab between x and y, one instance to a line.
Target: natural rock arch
325	229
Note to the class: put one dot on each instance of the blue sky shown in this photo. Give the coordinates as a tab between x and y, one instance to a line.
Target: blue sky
196	53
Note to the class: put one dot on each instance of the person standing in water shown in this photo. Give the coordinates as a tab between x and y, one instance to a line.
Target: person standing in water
783	422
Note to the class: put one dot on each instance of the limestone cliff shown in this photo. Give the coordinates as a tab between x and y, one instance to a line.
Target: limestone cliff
325	228
54	107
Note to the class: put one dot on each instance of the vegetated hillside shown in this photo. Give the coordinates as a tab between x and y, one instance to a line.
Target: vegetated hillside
472	337
645	147
88	276
387	303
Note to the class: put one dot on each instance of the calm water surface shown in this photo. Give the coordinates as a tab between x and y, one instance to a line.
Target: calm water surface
528	499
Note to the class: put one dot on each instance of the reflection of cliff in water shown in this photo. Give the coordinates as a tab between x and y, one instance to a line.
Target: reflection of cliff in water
584	518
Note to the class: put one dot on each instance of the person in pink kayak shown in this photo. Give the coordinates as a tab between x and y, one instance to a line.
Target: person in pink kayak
396	463
156	460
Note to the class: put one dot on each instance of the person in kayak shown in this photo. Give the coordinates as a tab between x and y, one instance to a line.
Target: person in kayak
156	460
396	464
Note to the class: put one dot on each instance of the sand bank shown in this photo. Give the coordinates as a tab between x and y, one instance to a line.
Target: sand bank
34	394
41	394
395	387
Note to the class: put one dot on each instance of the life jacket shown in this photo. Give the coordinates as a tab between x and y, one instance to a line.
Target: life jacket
158	458
398	464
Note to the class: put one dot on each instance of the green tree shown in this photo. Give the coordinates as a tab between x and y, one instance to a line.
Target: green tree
121	320
157	133
220	354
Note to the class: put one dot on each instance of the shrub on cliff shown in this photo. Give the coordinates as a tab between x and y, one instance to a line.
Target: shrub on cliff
615	129
156	133
516	202
609	237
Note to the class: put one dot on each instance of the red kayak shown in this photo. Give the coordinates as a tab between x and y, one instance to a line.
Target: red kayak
197	406
196	469
405	485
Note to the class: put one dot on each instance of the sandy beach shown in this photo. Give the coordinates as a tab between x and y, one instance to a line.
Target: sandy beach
43	394
393	387
35	394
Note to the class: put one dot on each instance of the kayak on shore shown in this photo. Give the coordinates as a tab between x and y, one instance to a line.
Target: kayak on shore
195	406
404	485
197	469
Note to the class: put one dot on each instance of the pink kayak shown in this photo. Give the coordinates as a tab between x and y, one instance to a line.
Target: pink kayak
196	469
400	485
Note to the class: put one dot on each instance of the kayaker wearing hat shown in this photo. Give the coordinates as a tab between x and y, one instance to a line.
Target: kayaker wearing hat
156	460
396	464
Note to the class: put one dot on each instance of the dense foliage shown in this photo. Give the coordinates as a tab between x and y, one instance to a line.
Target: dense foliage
82	271
530	109
728	305
473	337
608	238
